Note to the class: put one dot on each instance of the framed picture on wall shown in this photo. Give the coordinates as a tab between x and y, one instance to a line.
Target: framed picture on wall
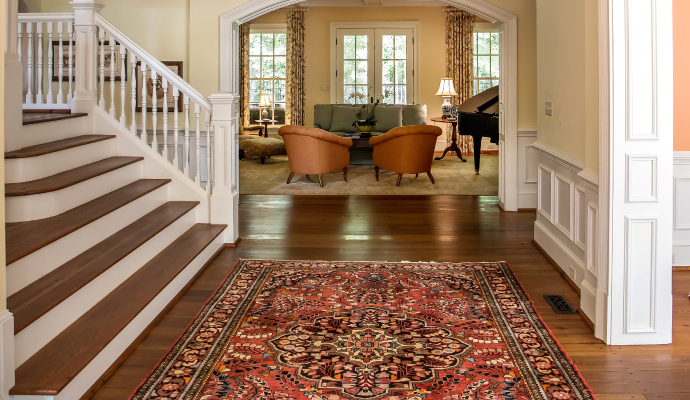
65	59
176	67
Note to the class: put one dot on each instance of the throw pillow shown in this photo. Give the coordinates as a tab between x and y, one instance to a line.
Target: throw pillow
323	114
414	114
343	118
388	117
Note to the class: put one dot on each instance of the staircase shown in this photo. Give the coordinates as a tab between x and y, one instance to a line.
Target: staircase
116	198
111	252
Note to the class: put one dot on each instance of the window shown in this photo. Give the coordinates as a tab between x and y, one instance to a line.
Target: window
373	63
267	72
486	60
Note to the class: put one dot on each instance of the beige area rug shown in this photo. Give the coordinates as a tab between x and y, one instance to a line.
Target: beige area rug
453	177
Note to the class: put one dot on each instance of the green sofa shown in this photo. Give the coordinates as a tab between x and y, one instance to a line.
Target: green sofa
338	118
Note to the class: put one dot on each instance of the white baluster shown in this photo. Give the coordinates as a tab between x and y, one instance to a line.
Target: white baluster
144	88
133	78
208	153
19	41
123	79
39	52
49	27
154	110
70	73
165	119
197	176
30	64
176	126
61	65
186	136
113	62
101	67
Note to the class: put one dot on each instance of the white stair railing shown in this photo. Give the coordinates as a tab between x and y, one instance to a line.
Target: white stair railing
45	43
152	87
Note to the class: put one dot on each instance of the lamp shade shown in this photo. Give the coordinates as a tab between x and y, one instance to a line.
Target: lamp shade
446	88
265	101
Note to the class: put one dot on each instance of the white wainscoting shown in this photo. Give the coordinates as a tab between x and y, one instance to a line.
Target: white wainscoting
567	215
681	209
527	168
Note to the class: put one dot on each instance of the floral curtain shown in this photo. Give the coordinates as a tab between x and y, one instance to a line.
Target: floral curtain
460	62
295	90
244	76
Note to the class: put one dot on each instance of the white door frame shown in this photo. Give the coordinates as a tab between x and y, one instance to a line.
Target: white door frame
508	140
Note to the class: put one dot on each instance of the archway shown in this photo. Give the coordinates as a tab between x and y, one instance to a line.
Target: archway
508	145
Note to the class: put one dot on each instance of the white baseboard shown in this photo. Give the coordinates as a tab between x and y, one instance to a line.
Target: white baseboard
6	353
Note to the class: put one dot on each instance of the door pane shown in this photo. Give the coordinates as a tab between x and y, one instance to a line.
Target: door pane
364	99
400	94
495	67
401	47
483	66
362	47
388	72
388	46
389	94
362	67
348	93
401	72
494	43
349	47
349	72
484	43
267	44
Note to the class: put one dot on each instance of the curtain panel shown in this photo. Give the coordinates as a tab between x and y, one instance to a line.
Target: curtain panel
295	90
244	76
460	62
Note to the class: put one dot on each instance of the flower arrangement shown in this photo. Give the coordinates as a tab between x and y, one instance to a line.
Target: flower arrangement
365	115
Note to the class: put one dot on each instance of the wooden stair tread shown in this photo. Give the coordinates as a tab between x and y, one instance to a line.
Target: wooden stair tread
23	238
61	360
43	295
68	178
40	117
59	145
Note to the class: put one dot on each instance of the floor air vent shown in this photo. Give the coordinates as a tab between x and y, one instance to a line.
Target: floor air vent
559	304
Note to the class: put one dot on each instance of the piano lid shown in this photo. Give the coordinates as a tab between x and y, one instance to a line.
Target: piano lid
485	102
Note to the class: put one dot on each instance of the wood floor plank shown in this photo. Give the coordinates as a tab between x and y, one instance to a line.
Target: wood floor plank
58	145
55	365
453	228
68	178
24	238
43	295
30	118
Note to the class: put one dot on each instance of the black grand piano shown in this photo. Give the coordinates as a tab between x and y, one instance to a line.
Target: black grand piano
477	117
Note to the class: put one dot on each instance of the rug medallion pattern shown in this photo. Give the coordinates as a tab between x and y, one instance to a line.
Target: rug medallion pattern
366	331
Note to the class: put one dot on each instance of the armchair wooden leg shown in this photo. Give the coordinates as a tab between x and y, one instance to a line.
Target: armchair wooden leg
320	180
399	179
290	177
377	173
416	175
431	177
345	174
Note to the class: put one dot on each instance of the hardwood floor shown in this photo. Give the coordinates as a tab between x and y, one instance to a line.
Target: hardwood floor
417	228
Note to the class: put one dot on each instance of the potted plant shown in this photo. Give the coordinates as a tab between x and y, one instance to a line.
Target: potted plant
365	121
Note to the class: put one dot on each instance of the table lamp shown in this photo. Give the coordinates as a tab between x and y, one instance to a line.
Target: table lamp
263	103
446	90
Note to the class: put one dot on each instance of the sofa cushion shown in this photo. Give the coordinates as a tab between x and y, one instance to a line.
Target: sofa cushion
388	117
323	114
343	118
414	114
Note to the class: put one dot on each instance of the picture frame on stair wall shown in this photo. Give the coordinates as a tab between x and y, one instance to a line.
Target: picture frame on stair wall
176	67
65	57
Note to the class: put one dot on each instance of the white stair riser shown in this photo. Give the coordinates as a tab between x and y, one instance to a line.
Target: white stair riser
44	205
46	132
38	334
97	367
28	269
33	168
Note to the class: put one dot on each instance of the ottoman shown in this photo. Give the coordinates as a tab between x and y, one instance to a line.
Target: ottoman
252	146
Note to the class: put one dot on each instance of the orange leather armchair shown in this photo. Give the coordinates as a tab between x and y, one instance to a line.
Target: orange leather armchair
315	151
406	150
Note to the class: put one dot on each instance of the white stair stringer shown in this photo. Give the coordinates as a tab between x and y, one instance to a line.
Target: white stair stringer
109	355
34	168
34	134
30	268
50	204
154	165
35	336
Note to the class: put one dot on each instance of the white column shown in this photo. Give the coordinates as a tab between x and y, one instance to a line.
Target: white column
225	197
85	96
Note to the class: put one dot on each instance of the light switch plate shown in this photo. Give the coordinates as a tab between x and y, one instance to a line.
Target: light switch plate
548	108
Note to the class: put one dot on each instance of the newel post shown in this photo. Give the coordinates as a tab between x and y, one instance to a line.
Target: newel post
85	95
225	197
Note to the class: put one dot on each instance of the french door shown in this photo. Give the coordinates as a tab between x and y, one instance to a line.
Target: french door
375	64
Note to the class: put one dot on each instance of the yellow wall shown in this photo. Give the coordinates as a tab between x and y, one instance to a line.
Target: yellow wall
160	26
567	60
318	44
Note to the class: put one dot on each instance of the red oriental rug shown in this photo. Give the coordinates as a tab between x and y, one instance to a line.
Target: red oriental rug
367	331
